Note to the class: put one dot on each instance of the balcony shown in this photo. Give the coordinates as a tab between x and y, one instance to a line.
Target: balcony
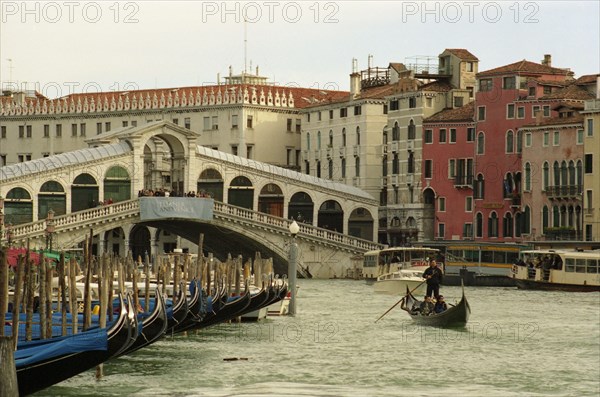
563	192
560	233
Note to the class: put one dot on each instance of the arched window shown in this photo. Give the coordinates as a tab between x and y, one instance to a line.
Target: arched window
344	167
479	224
330	138
527	177
318	169
564	177
396	132
358	135
556	168
318	139
385	136
493	225
545	217
330	167
479	187
412	130
357	165
308	141
519	141
555	216
344	137
572	176
480	143
507	227
510	144
546	176
396	164
579	179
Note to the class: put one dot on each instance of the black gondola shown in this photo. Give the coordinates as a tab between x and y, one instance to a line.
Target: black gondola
454	316
33	376
228	311
179	311
154	325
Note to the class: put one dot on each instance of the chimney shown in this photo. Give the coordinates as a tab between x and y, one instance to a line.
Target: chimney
547	60
354	79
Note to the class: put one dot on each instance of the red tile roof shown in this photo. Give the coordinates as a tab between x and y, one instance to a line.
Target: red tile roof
462	54
549	121
572	91
463	114
587	79
438	85
525	67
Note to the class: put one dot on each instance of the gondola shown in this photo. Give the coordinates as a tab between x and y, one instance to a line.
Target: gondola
228	311
44	365
454	316
154	324
194	309
177	312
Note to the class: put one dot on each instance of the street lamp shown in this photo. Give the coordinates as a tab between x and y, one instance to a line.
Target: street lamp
294	229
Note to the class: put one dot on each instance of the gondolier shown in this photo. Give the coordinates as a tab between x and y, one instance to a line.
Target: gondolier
433	274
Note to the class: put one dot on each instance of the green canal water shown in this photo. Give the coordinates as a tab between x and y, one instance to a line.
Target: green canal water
517	343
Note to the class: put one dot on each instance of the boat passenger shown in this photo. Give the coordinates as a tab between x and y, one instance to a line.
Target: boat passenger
440	305
426	307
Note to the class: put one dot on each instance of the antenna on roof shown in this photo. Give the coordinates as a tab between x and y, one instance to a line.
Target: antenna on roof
245	43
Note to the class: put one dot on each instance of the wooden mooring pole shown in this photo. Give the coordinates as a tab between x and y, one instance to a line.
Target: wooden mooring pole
8	371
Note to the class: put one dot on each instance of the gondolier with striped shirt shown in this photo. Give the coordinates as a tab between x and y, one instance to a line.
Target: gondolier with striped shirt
433	274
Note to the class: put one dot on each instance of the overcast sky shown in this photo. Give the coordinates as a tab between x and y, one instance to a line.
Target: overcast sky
59	46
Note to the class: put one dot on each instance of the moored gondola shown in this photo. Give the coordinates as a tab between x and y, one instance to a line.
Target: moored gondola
455	316
154	325
47	364
230	310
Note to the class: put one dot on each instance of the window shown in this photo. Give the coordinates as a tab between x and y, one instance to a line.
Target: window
412	130
470	134
452	135
234	150
250	122
468	230
442	204
298	126
134	123
357	110
479	188
73	129
249	151
589	159
206	123
344	137
187	123
3	132
546	139
481	113
98	128
442	135
531	91
428	136
479	224
451	168
527	177
308	117
319	116
21	131
510	144
508	83
521	112
469	66
2	160
441	230
215	122
358	135
547	90
394	104
528	139
535	110
126	123
428	169
82	129
46	131
471	91
234	121
343	112
468	204
289	125
175	121
590	127
429	102
510	111
493	225
546	109
412	102
28	131
480	143
107	126
485	84
556	138
331	114
385	109
58	130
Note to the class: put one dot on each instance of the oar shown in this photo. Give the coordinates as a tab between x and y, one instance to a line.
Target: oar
397	303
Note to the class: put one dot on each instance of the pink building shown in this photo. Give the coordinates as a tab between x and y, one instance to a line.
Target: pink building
504	102
448	149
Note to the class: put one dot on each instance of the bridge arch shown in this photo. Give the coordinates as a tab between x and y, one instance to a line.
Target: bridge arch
361	223
52	195
210	181
117	184
84	192
18	206
271	200
331	216
301	207
241	192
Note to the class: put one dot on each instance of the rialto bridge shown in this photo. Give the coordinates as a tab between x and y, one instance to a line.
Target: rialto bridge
57	201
